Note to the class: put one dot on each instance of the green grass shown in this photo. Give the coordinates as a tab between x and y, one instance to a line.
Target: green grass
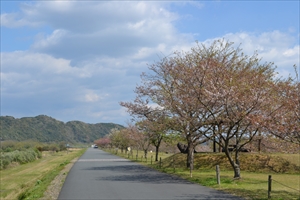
255	169
30	181
250	186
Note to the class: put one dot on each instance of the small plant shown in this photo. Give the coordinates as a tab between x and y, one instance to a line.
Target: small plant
38	182
23	195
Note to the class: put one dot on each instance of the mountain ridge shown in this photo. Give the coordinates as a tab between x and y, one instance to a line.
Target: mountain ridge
44	128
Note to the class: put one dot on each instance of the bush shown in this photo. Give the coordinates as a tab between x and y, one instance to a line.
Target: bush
21	157
62	146
53	147
38	153
5	161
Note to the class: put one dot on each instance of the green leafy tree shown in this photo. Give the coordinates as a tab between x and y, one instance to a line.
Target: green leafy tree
119	138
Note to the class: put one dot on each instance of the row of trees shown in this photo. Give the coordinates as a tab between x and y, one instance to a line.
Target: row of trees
216	93
138	137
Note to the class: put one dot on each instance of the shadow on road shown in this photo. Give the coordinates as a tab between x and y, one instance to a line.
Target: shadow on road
137	173
141	174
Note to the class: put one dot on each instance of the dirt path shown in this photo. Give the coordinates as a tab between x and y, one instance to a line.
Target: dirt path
55	186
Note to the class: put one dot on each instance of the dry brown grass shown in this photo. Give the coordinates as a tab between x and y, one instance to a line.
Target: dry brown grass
251	162
18	179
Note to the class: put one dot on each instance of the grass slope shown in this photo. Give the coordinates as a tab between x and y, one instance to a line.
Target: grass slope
29	181
251	162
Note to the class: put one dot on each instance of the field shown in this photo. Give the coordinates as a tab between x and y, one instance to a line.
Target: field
255	169
30	181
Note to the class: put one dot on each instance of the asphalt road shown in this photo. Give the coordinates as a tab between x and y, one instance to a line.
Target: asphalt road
100	175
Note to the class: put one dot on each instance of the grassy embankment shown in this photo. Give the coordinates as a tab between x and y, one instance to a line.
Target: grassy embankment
255	169
30	181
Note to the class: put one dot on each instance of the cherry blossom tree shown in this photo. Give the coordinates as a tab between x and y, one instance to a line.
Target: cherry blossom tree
138	139
166	87
151	119
217	92
154	131
103	142
284	123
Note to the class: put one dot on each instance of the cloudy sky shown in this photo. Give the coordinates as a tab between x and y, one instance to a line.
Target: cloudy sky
76	60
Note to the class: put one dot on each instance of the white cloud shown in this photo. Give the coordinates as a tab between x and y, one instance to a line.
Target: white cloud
196	4
85	30
275	46
37	64
292	52
50	40
14	20
92	96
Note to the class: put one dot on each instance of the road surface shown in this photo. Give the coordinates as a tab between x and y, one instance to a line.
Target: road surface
100	175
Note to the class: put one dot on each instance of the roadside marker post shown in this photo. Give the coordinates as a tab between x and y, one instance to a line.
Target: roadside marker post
218	174
159	162
269	186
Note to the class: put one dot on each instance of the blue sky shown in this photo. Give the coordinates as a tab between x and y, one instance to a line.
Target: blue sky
76	60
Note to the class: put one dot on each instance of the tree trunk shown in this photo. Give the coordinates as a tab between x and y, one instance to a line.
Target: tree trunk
259	142
190	156
156	152
214	145
234	165
237	169
220	145
146	153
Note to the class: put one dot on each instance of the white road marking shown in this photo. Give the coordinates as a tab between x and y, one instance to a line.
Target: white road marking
100	160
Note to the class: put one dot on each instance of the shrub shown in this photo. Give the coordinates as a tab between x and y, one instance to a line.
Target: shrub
38	153
62	146
21	157
5	161
53	147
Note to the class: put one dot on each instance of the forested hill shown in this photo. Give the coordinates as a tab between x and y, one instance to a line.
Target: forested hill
47	129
